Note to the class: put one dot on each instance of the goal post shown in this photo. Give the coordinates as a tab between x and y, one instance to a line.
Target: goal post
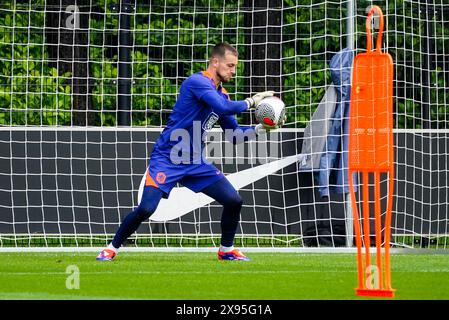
70	171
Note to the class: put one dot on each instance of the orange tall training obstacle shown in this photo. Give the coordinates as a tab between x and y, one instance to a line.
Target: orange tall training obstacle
371	154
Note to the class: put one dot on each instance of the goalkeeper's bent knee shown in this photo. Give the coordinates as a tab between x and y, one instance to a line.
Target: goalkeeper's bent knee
146	208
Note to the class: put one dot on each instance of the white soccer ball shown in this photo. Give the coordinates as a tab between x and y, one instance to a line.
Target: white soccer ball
270	111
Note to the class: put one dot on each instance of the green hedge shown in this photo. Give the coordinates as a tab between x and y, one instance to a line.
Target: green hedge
170	43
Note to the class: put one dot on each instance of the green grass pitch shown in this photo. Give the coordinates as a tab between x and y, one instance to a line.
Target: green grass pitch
199	276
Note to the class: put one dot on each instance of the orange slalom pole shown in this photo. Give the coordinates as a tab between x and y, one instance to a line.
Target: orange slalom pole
357	231
366	215
387	230
377	221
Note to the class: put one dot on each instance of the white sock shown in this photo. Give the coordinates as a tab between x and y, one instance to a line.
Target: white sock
111	247
226	249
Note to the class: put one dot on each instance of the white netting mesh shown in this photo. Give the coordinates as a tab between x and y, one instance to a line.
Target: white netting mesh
70	69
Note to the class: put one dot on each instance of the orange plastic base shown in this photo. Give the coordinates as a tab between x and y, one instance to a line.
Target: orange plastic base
375	292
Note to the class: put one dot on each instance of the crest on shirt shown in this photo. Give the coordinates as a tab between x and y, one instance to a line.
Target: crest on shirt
210	121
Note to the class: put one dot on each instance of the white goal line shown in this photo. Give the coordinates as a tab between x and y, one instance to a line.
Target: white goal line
314	250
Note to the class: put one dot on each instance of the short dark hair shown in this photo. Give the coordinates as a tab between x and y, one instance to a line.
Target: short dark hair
220	50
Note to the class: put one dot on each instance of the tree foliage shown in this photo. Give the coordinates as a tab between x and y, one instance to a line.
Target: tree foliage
172	41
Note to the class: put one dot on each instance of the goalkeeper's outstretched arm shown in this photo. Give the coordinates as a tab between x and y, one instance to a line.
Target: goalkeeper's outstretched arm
222	106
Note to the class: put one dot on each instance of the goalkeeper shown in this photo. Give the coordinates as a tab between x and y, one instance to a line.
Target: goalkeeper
202	102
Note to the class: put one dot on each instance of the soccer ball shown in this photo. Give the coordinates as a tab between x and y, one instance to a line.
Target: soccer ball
270	111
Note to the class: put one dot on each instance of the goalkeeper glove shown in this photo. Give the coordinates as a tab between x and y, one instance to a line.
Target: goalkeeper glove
255	99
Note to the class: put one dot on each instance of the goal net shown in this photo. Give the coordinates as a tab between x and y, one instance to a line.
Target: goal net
87	86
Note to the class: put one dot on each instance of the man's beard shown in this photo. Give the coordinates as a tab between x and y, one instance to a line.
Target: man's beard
221	78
